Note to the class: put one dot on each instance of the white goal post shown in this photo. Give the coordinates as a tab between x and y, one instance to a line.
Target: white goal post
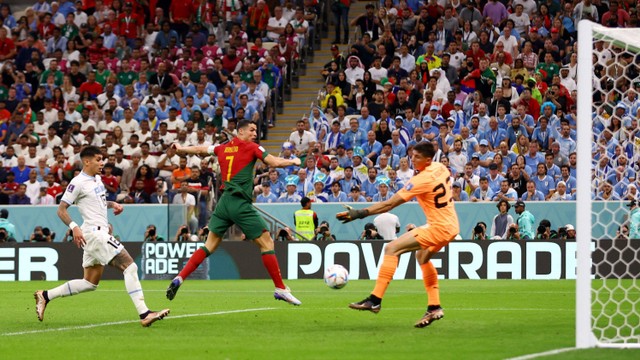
607	296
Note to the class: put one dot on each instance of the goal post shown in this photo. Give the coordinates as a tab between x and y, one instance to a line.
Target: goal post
608	262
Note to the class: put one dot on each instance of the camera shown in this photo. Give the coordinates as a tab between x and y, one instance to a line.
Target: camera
541	229
368	234
205	232
324	229
3	235
562	232
184	230
152	232
512	230
478	229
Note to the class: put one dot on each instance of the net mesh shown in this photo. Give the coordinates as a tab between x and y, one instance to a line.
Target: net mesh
616	150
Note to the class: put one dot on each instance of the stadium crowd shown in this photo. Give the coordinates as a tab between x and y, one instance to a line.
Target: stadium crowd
491	84
133	77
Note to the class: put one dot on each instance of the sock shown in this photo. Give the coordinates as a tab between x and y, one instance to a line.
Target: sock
132	283
430	280
388	268
194	261
70	288
270	263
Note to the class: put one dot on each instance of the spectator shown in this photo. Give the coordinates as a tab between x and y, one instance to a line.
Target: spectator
532	193
337	195
184	198
266	196
458	194
525	222
501	222
355	195
291	195
7	226
20	197
306	221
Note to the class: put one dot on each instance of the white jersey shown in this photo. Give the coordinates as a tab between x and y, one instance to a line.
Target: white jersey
89	194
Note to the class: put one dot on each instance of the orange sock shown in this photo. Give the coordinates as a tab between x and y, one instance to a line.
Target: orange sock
430	279
388	268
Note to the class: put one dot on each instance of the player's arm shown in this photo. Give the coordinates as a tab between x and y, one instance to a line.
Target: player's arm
377	208
117	208
279	162
202	150
63	214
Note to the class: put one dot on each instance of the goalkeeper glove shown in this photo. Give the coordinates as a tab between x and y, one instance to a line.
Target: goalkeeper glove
351	214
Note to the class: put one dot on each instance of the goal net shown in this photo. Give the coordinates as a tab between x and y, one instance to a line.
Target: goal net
608	256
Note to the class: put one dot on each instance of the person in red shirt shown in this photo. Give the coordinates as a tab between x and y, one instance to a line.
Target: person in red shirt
110	182
91	85
130	24
97	51
45	28
181	15
7	46
53	188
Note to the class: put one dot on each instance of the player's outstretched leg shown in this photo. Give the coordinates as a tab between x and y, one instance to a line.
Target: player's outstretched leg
194	261
387	269
270	262
434	312
70	288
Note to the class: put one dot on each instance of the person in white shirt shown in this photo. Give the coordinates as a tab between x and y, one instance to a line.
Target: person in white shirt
276	24
49	112
509	41
94	237
388	225
44	198
407	61
33	186
129	125
184	198
302	139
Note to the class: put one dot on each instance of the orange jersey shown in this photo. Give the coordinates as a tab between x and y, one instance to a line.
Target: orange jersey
432	188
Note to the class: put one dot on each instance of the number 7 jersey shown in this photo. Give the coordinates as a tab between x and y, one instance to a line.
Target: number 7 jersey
237	159
432	188
90	195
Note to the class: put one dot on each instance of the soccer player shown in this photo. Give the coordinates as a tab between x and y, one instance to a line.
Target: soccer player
237	159
100	248
432	189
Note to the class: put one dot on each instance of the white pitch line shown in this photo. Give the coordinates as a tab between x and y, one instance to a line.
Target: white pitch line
131	321
542	354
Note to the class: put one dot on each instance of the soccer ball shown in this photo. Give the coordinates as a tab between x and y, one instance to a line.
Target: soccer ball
336	276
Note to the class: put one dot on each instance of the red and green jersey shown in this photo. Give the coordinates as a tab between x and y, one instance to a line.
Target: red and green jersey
237	159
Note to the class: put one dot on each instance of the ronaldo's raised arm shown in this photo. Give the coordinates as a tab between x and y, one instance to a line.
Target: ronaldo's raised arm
203	150
279	162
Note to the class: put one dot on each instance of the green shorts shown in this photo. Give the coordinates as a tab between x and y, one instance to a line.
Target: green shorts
231	210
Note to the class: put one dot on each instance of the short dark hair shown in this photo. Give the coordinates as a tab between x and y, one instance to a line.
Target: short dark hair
305	201
425	148
90	151
244	123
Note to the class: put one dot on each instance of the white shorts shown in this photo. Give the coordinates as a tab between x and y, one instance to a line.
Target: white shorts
100	248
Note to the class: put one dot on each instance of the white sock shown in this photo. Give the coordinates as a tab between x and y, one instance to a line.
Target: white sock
132	283
72	287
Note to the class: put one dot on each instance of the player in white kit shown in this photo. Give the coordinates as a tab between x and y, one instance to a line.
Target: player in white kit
100	248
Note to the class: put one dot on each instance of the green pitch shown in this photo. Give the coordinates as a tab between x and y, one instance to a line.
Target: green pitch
240	320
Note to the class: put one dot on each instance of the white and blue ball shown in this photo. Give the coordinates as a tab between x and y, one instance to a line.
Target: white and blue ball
336	276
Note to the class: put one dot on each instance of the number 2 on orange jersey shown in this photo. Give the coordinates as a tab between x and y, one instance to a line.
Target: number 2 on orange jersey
230	160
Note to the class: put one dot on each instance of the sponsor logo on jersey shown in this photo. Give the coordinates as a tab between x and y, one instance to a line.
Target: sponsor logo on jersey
231	149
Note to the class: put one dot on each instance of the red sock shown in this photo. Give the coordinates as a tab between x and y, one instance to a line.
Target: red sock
194	261
271	264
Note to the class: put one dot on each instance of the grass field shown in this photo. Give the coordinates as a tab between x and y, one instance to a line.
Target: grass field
240	320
